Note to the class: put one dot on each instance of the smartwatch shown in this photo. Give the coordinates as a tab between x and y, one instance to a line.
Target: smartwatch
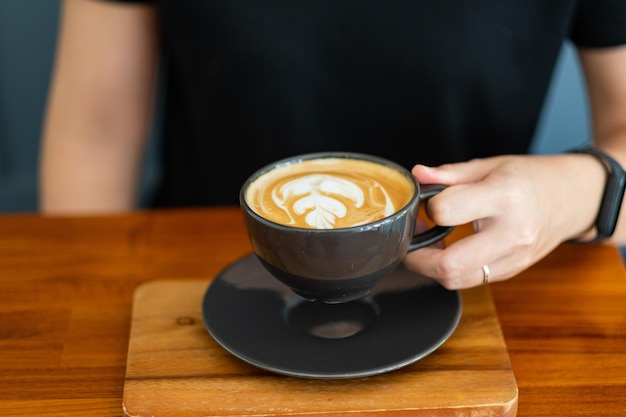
613	193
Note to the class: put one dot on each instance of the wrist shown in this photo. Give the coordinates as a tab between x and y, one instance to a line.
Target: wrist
612	195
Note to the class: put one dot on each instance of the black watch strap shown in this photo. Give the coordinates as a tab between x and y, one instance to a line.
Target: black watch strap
613	193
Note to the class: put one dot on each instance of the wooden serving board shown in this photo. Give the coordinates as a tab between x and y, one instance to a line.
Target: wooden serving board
175	368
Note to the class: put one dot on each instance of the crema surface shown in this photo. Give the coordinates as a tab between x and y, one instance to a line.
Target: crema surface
329	193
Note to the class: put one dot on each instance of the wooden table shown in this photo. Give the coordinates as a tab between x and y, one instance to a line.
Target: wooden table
67	284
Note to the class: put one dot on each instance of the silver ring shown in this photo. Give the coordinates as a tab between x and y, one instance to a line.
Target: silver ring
485	275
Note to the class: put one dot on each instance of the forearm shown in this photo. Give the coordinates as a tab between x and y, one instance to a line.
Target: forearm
91	151
99	107
605	73
87	176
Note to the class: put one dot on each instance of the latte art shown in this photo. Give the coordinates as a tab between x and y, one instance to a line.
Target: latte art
329	193
323	200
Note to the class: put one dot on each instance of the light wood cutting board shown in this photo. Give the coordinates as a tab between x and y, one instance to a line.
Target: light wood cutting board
175	368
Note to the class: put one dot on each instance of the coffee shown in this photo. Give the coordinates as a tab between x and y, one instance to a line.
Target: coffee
334	191
329	193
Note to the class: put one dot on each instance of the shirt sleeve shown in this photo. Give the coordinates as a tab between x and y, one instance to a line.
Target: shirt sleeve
599	23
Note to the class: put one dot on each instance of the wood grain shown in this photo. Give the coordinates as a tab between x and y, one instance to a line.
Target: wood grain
67	285
176	369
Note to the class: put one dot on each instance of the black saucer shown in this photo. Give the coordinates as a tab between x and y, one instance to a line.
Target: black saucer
261	321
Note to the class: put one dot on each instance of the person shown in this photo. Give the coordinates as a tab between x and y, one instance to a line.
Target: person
450	89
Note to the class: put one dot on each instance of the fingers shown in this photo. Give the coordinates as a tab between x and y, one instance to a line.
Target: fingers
515	204
465	203
505	245
468	198
462	264
451	174
478	189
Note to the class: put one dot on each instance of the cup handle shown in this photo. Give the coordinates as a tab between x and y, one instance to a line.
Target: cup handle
435	233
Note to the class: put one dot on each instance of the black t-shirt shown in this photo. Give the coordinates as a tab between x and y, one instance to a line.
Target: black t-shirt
428	81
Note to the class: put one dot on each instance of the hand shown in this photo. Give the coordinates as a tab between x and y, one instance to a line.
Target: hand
521	208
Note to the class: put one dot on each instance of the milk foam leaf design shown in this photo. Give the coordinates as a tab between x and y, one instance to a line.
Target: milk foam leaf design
322	210
317	200
338	186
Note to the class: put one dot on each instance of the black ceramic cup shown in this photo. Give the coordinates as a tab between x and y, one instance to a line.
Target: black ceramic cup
338	264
